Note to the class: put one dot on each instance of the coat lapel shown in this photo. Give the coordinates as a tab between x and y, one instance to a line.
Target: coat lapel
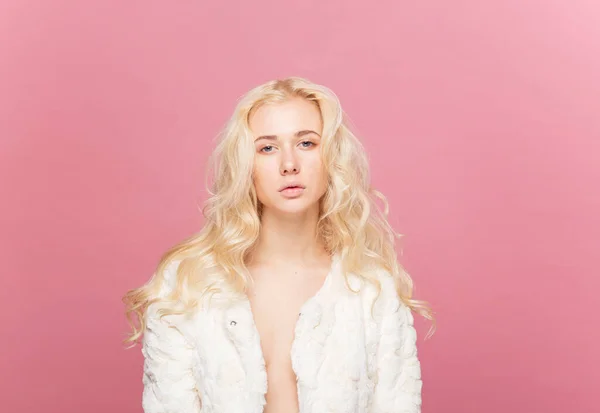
242	332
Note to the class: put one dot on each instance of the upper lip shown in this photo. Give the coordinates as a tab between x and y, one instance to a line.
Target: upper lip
291	184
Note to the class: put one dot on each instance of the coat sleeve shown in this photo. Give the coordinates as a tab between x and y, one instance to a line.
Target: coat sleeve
398	388
169	383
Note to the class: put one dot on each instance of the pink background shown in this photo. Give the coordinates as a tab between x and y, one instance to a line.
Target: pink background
481	119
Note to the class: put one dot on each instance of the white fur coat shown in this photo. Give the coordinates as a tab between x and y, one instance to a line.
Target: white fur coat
345	360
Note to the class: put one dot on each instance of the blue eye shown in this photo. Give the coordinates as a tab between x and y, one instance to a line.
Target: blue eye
263	149
309	142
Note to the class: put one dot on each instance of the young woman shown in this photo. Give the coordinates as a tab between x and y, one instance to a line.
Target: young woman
290	298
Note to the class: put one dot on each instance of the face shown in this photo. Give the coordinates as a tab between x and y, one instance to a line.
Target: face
287	144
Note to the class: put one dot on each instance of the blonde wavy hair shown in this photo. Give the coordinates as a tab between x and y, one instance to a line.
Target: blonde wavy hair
350	221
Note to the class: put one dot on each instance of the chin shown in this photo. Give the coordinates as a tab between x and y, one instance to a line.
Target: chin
292	206
293	209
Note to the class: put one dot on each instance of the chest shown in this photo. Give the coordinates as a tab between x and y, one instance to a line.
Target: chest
276	305
324	346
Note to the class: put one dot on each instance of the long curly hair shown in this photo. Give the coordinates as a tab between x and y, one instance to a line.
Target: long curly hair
350	221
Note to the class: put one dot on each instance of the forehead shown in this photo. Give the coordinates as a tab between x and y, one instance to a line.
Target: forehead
286	118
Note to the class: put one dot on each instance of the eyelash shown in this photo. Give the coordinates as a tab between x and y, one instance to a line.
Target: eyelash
270	146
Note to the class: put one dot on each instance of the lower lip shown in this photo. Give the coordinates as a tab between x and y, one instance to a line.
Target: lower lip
292	192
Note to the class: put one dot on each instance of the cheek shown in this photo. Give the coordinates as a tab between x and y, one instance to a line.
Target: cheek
315	167
263	173
317	173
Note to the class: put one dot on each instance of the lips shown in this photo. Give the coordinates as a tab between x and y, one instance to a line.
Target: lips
291	186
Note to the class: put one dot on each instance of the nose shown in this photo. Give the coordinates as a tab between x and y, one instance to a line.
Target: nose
289	169
289	166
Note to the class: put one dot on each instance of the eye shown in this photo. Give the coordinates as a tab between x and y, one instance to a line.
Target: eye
306	146
266	147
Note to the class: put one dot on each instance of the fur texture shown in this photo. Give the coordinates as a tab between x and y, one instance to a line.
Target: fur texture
346	359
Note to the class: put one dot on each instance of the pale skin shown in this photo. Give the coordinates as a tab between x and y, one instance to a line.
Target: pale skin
289	264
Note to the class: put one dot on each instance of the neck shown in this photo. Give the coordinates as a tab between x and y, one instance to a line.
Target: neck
288	239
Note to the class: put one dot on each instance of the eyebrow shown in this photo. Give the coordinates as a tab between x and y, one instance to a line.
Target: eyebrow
297	134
